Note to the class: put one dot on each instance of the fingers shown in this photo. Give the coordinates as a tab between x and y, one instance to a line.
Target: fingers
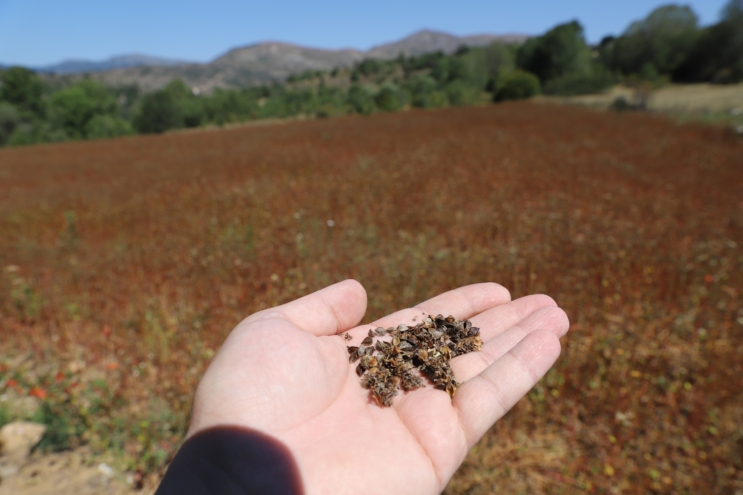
497	320
331	310
485	398
462	303
549	318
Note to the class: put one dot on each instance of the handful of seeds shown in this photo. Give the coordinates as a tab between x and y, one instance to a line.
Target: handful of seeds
427	347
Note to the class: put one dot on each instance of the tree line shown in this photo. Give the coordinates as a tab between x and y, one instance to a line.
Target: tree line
668	45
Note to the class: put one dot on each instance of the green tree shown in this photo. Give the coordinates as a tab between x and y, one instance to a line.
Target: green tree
370	66
421	88
73	108
560	51
717	54
23	89
460	93
191	107
226	106
388	100
500	60
107	126
518	85
360	100
662	40
597	80
157	113
10	117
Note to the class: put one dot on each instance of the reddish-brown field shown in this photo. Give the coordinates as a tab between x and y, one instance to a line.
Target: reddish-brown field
126	262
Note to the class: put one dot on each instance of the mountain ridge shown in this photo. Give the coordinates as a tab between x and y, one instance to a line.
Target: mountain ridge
74	66
263	63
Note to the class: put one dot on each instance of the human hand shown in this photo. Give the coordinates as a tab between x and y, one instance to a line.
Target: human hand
284	372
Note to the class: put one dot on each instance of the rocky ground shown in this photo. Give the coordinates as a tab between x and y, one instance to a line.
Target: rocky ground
78	472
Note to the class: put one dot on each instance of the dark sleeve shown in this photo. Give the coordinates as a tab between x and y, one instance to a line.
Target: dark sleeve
232	461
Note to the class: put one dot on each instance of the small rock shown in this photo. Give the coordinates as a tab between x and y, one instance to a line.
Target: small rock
107	470
16	441
18	438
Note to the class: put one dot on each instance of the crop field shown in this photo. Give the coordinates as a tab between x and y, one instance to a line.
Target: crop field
125	263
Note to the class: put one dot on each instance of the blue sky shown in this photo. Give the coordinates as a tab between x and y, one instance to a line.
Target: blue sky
39	32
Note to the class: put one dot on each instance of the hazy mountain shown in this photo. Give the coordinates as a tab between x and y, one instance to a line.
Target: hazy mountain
118	62
263	63
430	41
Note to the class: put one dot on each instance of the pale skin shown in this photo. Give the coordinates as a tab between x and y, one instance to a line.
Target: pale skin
285	372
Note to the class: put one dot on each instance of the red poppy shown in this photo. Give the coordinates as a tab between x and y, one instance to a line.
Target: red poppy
37	392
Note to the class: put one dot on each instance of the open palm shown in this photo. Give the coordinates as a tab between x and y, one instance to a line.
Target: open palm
285	372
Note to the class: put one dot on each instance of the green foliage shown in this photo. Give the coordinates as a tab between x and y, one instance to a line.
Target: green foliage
370	66
231	106
27	133
63	430
663	40
388	100
107	126
172	107
560	51
191	108
595	81
10	117
460	93
73	108
360	100
717	54
5	417
667	42
22	88
421	88
475	67
518	85
157	113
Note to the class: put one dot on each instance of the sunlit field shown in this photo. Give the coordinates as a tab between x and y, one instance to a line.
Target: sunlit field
126	262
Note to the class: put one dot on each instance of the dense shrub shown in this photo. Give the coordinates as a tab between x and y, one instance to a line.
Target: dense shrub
73	108
23	89
360	100
559	52
518	86
388	100
107	126
158	112
9	119
662	40
579	84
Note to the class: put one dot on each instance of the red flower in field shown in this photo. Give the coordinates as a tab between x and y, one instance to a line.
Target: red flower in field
59	377
106	330
37	392
708	278
112	366
11	383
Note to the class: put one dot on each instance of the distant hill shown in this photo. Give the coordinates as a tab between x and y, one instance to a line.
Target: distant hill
118	62
261	63
430	41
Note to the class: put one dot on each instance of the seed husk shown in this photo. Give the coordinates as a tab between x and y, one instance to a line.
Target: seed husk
428	347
